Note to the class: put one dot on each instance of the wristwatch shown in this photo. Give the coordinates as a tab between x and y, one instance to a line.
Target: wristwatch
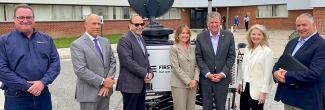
102	82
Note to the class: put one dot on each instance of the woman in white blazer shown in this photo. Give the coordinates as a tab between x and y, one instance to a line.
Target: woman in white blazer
185	77
256	77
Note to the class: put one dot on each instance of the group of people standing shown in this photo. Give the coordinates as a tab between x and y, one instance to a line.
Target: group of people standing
215	55
95	66
29	62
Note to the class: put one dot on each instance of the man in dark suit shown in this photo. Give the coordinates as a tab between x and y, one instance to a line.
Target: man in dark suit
134	66
303	89
215	55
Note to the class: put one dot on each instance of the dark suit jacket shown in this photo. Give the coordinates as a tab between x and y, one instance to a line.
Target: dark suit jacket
309	94
134	64
222	61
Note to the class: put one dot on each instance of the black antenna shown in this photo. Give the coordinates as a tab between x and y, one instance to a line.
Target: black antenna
152	9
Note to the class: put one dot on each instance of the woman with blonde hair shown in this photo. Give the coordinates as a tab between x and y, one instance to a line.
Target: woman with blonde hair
185	76
256	77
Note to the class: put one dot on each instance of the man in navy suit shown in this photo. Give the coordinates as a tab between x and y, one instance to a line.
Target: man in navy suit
303	89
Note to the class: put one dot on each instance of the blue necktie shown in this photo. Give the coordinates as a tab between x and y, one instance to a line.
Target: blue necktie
98	49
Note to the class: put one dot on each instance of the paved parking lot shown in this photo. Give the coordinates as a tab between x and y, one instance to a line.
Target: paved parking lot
63	87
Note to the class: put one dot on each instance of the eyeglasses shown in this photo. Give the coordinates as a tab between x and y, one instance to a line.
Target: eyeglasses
138	24
22	18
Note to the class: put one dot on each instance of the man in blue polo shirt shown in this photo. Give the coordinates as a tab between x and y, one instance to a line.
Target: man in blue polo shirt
29	62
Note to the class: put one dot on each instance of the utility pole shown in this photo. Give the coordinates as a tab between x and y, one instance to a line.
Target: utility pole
209	6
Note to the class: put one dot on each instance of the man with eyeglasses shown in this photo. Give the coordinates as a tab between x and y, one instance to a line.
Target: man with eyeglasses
29	61
134	66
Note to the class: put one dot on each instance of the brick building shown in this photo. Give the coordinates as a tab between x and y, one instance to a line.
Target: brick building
64	18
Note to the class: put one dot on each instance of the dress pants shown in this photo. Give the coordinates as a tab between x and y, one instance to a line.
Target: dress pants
246	26
247	103
213	94
183	98
21	100
102	103
134	101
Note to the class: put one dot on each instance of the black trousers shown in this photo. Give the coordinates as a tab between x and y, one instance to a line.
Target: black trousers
246	26
134	101
247	103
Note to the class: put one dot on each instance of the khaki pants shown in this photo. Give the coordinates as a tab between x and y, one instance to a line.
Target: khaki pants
183	98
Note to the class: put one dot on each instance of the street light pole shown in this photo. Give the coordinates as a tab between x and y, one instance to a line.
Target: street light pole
209	6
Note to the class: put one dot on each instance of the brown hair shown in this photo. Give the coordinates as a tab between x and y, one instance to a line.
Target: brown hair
179	30
263	30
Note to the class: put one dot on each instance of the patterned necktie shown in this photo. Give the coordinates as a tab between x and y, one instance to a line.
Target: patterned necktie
98	49
141	45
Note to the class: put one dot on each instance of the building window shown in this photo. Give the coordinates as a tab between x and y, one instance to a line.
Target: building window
77	12
62	12
172	13
66	12
132	12
270	11
111	13
9	11
2	12
119	13
100	11
42	12
126	12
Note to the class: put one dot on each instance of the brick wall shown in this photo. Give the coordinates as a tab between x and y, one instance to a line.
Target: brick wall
240	12
76	28
270	23
319	14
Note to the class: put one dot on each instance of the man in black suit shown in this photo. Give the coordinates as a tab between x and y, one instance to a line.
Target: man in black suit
215	55
303	89
134	66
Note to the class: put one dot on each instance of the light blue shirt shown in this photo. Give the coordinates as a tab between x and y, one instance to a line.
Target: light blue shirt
215	41
300	43
92	39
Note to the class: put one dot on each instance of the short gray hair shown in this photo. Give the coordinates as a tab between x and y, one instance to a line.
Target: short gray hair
213	15
310	17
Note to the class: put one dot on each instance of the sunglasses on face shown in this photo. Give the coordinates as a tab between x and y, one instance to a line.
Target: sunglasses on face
21	18
138	24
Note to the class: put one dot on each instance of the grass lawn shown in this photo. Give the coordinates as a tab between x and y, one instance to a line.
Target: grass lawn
65	42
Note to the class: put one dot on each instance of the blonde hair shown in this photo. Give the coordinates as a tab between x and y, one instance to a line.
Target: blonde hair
265	35
179	30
